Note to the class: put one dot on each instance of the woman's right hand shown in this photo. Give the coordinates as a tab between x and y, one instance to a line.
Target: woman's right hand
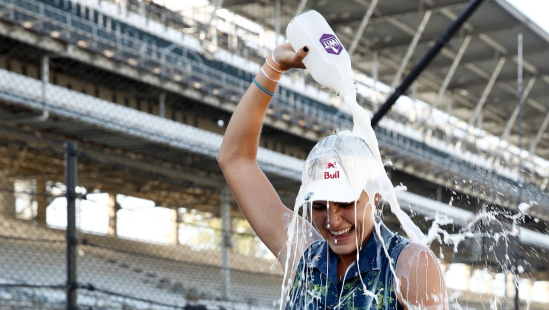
287	58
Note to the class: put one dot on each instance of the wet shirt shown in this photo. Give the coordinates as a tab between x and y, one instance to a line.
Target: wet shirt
366	285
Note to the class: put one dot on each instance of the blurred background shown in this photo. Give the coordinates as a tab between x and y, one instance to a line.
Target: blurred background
117	108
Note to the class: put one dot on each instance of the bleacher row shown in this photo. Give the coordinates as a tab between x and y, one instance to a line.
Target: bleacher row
35	255
92	30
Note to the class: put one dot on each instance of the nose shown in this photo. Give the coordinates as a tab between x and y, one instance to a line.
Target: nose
334	217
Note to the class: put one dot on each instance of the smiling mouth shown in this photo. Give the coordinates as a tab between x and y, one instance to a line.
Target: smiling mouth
342	234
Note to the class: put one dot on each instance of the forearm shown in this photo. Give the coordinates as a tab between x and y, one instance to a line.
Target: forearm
242	134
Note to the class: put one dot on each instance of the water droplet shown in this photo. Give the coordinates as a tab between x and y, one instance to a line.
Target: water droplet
335	241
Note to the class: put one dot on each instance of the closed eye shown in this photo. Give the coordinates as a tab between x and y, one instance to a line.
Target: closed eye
319	206
346	205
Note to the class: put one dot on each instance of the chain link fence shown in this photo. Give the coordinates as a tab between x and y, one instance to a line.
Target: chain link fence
147	107
132	252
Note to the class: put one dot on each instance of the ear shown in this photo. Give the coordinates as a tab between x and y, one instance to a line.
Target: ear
377	199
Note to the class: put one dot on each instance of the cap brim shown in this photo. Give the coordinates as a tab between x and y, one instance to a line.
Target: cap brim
335	191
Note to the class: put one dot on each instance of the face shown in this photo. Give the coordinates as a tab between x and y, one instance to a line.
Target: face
339	227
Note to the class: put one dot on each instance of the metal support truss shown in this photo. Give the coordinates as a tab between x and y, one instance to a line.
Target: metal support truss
512	119
411	48
452	70
301	7
362	26
426	60
213	22
277	17
487	91
375	73
541	131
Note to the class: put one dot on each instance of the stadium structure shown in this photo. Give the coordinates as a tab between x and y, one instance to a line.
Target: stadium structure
145	92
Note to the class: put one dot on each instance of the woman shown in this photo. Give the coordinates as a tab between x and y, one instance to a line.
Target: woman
349	259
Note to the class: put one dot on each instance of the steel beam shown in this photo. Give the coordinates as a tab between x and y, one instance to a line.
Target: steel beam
427	59
511	121
411	48
213	22
162	104
427	40
375	69
71	177
541	131
362	26
532	52
277	17
487	91
225	243
452	70
301	7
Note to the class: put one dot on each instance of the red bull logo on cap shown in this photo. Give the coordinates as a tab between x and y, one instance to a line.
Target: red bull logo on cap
328	175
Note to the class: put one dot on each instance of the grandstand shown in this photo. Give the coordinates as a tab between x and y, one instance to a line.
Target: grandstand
146	92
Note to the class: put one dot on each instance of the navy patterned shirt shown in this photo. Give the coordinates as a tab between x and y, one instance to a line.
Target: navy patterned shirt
366	285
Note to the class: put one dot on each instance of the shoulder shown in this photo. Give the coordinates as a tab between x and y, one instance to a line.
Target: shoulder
417	264
416	257
315	249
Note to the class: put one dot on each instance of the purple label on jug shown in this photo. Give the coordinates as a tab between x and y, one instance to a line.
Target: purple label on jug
331	44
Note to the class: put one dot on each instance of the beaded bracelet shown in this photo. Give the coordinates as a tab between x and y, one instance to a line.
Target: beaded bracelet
262	88
277	70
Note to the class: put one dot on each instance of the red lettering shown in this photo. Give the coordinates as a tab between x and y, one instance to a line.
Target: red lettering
328	175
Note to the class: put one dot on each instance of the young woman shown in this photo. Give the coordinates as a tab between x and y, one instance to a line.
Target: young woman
343	257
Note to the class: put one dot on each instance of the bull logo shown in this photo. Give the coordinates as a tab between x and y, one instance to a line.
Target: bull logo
331	165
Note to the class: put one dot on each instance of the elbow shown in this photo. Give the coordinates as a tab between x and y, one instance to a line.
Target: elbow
224	157
221	158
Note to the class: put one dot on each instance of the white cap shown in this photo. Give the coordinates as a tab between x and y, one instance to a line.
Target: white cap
336	169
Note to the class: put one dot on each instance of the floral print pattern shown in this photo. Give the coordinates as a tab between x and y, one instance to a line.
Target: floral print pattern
368	284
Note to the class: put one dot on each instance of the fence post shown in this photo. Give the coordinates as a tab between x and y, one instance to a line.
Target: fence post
71	176
225	243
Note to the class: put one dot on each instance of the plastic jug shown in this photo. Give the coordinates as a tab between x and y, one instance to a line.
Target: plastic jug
327	61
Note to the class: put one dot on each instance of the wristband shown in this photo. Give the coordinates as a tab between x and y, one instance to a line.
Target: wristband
265	74
262	88
274	59
277	70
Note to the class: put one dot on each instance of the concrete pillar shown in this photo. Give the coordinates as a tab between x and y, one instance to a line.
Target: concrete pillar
112	208
7	198
42	201
162	105
179	219
174	223
439	193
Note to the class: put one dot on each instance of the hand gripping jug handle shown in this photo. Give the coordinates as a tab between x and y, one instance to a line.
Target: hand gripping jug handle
328	60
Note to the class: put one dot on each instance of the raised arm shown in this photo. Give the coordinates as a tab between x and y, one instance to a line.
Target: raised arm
252	190
421	280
